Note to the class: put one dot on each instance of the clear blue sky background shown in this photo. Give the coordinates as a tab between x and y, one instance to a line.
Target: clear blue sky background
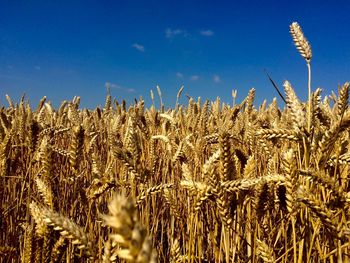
65	48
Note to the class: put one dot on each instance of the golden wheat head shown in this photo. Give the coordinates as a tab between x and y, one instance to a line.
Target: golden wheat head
300	41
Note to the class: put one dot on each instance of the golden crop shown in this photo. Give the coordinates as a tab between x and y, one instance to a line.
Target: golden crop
208	182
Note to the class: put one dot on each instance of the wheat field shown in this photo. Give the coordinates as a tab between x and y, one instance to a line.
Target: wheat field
202	182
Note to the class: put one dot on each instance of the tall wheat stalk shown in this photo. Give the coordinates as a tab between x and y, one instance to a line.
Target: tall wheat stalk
305	51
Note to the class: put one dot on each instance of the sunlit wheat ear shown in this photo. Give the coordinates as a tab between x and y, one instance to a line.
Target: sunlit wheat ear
320	210
295	106
265	252
300	41
45	191
305	50
41	229
64	225
134	243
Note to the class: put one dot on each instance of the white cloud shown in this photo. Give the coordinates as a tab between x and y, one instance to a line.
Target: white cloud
131	90
139	47
207	33
112	85
170	33
118	87
194	77
216	78
179	75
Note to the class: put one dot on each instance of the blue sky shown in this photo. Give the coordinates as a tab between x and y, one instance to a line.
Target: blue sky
66	48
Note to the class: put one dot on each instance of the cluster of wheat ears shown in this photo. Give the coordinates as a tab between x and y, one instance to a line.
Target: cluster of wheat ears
206	182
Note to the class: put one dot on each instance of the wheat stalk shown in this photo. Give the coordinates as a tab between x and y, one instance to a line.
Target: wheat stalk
304	49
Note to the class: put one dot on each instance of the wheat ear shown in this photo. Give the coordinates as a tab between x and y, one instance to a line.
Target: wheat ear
300	41
305	51
45	192
265	252
67	228
135	245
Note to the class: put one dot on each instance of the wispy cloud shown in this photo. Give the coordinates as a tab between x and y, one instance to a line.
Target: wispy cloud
207	33
216	78
179	75
131	90
194	77
37	67
138	47
112	85
171	33
118	87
